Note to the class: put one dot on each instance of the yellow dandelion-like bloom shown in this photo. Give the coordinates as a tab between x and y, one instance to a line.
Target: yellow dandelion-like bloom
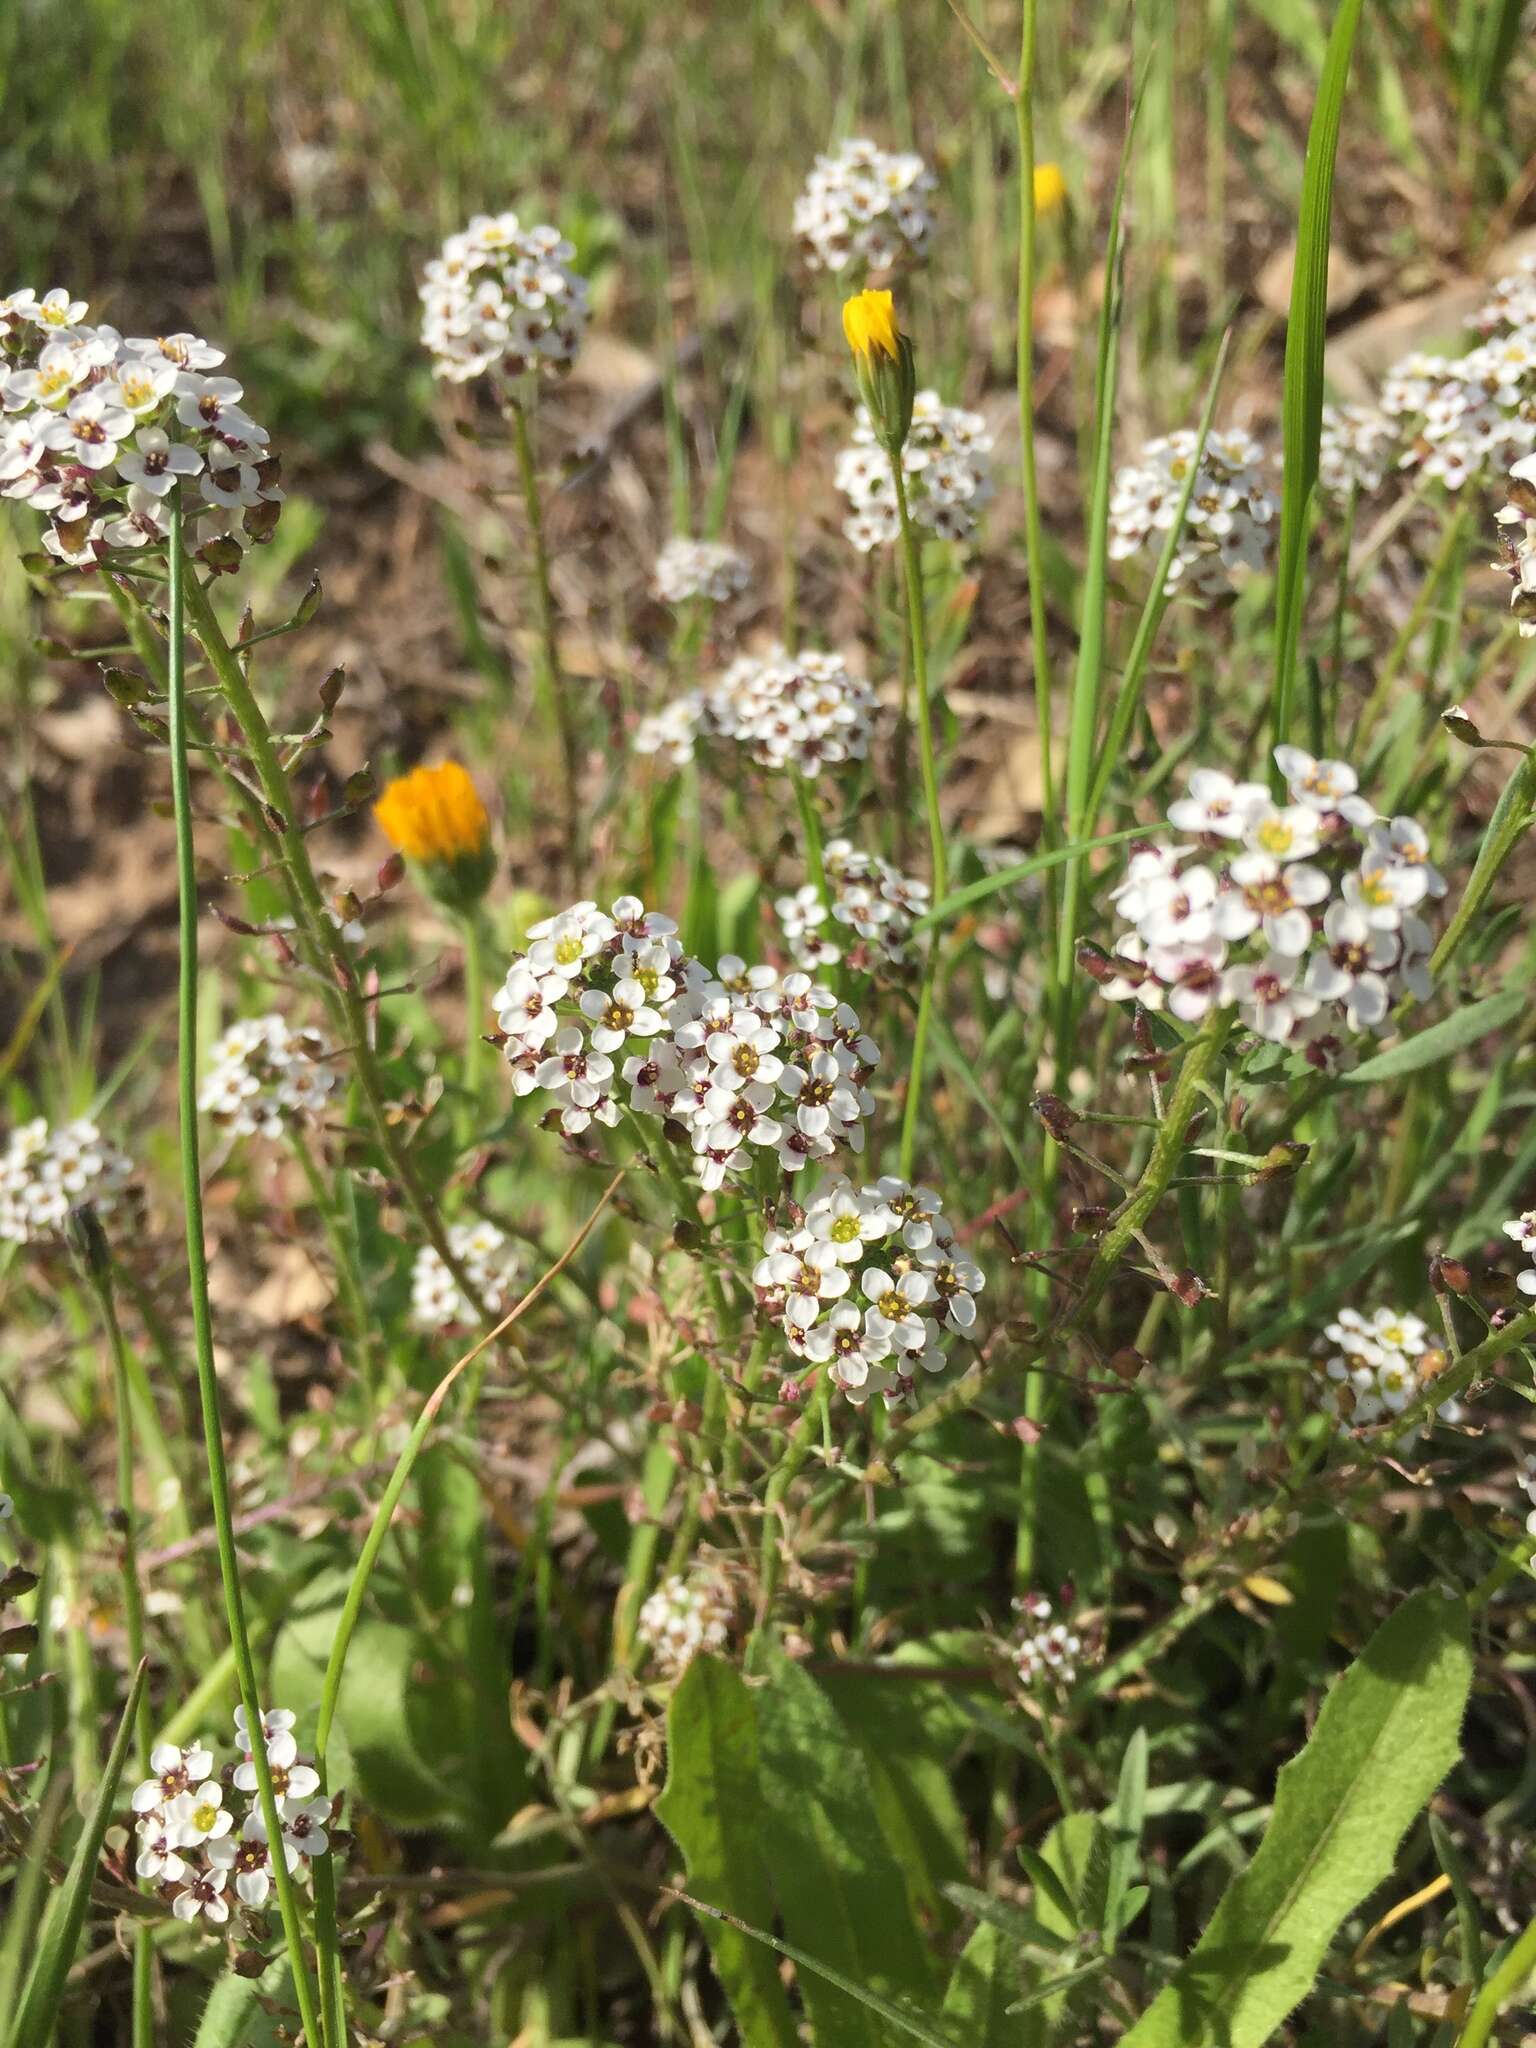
434	814
869	322
1050	187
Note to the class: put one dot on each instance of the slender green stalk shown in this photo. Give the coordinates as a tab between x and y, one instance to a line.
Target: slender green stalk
810	825
552	680
1034	535
474	1008
796	1450
1510	822
1507	1980
197	1275
343	1258
917	623
1162	1164
325	942
1429	590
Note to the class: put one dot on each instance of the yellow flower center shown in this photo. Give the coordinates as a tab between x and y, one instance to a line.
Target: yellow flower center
845	1230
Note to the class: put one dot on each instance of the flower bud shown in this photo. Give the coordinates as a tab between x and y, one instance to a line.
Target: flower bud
884	365
1449	1276
434	816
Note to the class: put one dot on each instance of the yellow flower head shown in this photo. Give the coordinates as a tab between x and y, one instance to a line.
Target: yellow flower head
869	321
1050	187
435	816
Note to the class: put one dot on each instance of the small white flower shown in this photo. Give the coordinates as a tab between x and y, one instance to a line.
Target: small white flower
200	1815
203	1893
1216	805
176	1770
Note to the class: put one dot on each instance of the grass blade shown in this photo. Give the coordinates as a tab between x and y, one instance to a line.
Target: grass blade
1302	412
39	2008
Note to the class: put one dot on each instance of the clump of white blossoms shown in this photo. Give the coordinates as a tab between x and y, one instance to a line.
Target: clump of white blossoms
869	1286
792	712
1462	415
492	1264
1047	1651
745	1060
1230	523
865	206
1517	534
944	465
501	296
1378	1364
688	569
264	1077
196	1847
1355	452
98	429
44	1173
1304	915
684	1616
875	899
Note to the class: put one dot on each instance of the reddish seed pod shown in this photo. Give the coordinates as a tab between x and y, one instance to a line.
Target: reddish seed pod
1449	1276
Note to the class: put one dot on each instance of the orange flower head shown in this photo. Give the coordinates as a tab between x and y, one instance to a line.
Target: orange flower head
435	816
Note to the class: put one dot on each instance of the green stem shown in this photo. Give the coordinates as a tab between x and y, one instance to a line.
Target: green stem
1162	1164
474	1011
197	1275
796	1450
917	624
1034	538
810	825
343	1257
325	942
551	678
1505	1982
1429	590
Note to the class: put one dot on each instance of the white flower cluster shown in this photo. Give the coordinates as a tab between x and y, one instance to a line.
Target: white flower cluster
1379	1363
1255	931
684	1616
45	1173
98	428
1522	1229
944	467
1355	451
877	900
193	1846
491	1263
866	206
869	1284
1517	532
1230	522
1461	415
1046	1649
502	295
263	1077
686	569
799	712
743	1058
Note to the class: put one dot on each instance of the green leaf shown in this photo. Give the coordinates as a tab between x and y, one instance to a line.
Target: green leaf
712	1808
1387	1734
1425	1048
1302	410
234	2016
983	1982
39	2008
1125	1838
842	1894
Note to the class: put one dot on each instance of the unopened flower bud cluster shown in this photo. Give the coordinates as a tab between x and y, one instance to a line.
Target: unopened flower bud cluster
1047	1651
198	1846
492	1265
875	899
864	206
502	296
1230	521
97	428
264	1077
684	1616
1305	914
44	1173
870	1285
797	712
1379	1363
606	1009
708	569
944	465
